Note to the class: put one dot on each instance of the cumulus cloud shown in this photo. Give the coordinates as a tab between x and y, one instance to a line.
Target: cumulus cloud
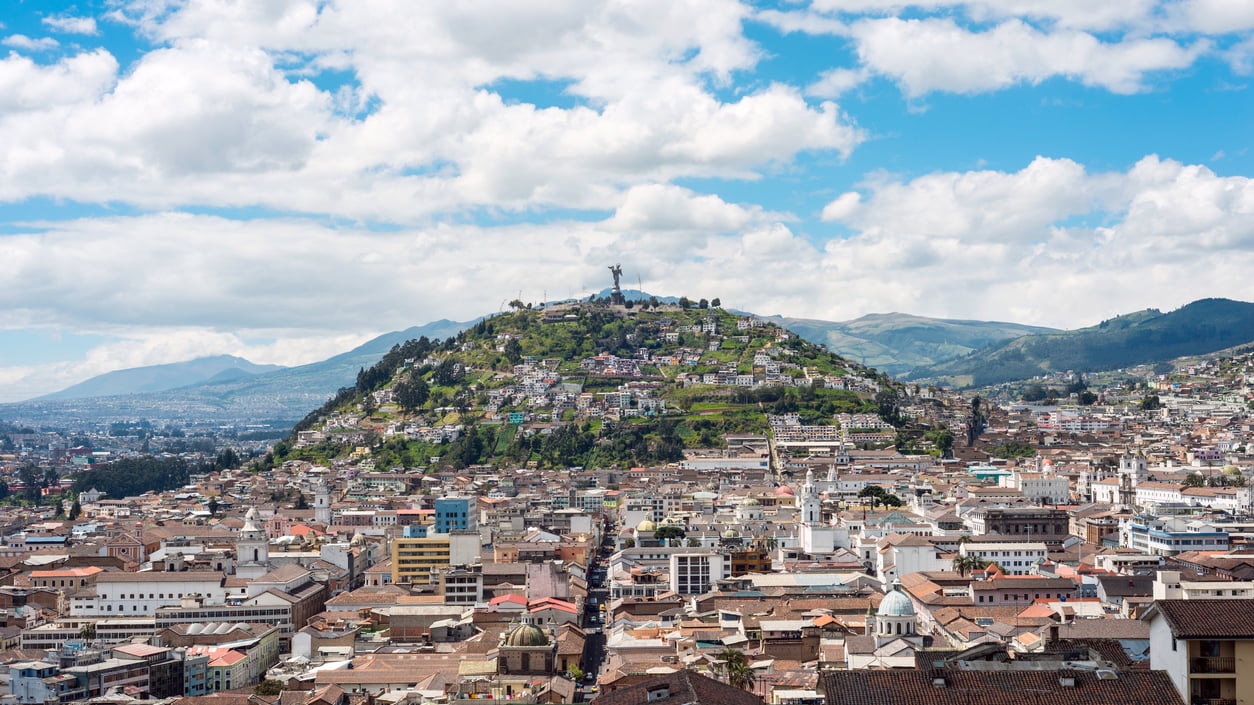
29	87
226	113
21	41
939	55
69	24
1051	244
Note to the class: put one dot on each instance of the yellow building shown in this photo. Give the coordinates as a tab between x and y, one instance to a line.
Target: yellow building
419	560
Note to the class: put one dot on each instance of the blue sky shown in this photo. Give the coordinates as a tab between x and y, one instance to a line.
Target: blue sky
284	180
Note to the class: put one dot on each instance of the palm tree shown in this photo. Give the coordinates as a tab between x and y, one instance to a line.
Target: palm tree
739	674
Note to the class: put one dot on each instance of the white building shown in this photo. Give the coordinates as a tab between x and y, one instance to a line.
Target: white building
119	594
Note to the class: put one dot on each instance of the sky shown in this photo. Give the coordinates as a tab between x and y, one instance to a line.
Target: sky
285	179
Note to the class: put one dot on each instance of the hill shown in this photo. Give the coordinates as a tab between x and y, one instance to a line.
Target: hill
159	378
1144	337
278	398
583	384
896	343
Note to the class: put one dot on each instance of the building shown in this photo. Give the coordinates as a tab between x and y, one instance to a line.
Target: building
456	514
1205	648
420	560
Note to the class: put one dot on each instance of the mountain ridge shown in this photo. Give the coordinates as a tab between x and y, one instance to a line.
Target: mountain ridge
1141	337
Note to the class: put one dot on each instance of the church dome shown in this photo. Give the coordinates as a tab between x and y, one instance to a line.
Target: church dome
731	534
646	525
784	491
896	604
527	635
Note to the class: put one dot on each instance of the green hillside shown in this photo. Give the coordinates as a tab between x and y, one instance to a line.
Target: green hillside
1144	337
585	384
896	343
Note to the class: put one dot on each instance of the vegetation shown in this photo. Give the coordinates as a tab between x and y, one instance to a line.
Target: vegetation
1145	337
736	667
441	383
133	476
878	495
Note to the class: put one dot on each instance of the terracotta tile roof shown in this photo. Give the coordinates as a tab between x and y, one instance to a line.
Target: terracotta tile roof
1206	619
684	687
998	688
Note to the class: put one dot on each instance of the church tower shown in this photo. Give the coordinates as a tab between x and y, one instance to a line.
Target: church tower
808	501
252	550
322	503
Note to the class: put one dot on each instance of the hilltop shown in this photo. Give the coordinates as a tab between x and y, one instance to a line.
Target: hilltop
1144	337
581	384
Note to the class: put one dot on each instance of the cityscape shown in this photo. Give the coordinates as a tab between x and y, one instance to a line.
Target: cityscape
626	352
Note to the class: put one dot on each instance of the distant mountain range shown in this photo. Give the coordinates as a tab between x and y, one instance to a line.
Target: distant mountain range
953	352
896	343
159	378
1145	337
279	398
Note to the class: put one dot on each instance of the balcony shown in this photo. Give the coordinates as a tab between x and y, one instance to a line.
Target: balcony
1213	701
1213	664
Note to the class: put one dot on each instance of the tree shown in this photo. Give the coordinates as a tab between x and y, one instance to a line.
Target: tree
575	673
629	543
964	564
716	302
878	495
694	542
75	510
1151	403
412	392
213	506
228	459
268	687
1194	479
703	303
87	632
30	477
668	532
736	666
685	303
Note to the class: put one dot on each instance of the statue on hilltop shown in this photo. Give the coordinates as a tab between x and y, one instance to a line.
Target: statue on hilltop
616	296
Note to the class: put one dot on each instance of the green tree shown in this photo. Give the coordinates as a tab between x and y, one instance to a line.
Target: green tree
75	510
268	688
412	392
716	302
213	506
668	532
30	477
1151	402
736	666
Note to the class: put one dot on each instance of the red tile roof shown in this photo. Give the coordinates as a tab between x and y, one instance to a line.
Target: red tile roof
917	687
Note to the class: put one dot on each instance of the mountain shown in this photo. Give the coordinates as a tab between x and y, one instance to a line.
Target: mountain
1144	337
896	343
159	378
277	398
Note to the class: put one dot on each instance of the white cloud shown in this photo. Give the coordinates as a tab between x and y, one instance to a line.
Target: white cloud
1050	244
222	117
1083	14
70	24
939	55
27	86
834	83
21	41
